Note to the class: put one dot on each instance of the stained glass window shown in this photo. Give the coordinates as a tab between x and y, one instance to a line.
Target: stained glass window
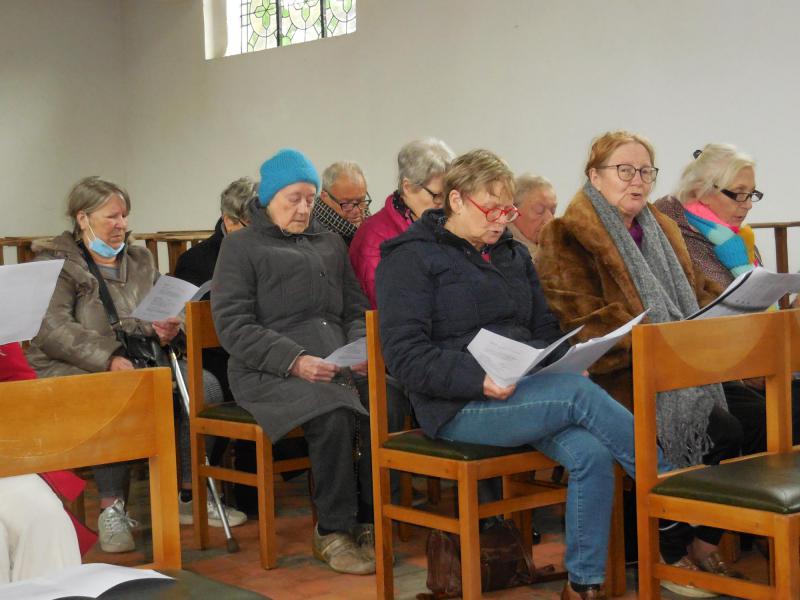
267	24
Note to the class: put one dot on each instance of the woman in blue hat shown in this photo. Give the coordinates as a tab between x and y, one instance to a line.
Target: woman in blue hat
283	297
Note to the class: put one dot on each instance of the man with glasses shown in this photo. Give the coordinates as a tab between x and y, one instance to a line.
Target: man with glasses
344	200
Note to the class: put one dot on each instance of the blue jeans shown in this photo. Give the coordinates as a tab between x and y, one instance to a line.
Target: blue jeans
577	424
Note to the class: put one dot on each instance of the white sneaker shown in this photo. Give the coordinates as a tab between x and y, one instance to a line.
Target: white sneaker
114	528
186	514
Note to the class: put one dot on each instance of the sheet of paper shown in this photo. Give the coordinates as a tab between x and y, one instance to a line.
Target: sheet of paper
754	291
166	299
581	356
349	355
89	580
506	360
26	292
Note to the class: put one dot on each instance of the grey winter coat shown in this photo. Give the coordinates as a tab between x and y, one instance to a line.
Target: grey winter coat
76	337
274	297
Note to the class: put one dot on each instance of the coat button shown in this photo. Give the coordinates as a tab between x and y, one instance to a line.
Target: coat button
324	322
322	273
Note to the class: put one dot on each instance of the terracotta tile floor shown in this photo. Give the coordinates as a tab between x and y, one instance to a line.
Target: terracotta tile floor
300	576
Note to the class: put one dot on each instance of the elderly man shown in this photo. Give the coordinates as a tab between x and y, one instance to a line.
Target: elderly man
536	201
344	199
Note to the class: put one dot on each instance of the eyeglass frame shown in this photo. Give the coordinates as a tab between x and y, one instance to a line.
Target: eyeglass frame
362	204
635	170
754	196
440	195
504	212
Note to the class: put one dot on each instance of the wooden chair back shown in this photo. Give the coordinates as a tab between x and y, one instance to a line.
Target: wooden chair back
86	420
670	356
200	335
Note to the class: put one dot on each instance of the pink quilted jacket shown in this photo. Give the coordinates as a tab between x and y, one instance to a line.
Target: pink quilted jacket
365	249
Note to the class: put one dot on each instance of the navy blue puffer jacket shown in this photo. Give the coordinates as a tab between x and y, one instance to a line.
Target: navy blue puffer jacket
434	293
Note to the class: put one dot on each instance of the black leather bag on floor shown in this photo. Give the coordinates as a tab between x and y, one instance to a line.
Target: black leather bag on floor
505	562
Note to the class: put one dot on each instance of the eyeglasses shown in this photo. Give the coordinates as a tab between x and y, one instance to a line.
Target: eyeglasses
754	196
437	198
493	215
348	205
628	172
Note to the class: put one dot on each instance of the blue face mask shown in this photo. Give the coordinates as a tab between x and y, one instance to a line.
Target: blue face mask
99	247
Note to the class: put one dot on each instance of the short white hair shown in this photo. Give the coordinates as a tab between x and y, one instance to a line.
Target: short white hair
343	167
715	164
420	160
527	183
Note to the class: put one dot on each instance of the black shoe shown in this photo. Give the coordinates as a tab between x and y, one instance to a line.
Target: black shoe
537	536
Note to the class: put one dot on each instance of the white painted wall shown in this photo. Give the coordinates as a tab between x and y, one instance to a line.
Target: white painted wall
61	104
529	79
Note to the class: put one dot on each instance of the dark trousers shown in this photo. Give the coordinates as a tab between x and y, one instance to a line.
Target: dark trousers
727	435
340	484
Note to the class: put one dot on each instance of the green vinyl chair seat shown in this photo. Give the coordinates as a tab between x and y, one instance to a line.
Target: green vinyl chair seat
417	442
770	483
227	411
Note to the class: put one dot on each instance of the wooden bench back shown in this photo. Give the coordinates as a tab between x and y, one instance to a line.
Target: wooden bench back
87	420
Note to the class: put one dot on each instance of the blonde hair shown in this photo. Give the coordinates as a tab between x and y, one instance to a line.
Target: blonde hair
89	194
476	171
604	145
716	164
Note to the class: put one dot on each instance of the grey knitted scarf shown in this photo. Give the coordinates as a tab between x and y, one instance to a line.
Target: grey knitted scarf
682	415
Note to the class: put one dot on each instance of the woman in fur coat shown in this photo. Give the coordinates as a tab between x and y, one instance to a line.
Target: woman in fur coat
612	256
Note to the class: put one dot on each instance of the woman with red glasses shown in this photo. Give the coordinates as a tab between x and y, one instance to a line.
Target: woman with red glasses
457	270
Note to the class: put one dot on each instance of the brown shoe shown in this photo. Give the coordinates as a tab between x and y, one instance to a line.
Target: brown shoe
342	554
593	593
713	563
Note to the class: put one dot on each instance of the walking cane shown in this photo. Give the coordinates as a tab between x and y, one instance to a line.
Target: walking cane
231	542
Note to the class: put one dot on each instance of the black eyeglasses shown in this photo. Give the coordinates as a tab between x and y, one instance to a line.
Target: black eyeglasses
495	214
437	198
628	172
348	205
753	196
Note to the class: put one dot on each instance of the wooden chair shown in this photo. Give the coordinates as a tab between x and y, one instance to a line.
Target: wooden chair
758	494
85	420
231	421
412	452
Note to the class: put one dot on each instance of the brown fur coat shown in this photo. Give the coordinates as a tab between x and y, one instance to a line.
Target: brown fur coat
587	283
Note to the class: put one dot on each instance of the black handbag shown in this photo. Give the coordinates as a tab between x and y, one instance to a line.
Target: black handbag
142	350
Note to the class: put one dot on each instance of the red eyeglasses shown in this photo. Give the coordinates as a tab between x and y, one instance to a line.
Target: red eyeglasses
493	215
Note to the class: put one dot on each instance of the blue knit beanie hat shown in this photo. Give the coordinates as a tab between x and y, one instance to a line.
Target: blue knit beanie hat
286	167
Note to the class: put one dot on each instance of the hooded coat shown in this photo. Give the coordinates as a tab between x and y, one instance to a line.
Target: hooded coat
274	297
587	283
75	336
435	292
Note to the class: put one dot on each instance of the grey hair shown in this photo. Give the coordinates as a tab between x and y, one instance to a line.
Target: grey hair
235	201
89	194
420	160
527	183
717	164
343	167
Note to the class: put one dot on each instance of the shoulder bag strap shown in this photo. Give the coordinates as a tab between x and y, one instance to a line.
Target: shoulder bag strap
105	296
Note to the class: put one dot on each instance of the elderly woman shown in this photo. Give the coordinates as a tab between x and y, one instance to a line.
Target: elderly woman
712	200
536	202
610	257
77	335
456	271
284	297
420	169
